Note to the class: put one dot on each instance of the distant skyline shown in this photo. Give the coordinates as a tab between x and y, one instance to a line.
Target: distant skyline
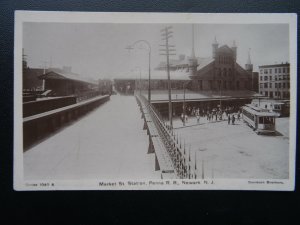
97	50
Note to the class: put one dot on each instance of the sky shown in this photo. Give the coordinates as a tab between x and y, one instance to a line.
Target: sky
98	50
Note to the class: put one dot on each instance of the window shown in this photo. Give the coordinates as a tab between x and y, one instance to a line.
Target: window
225	72
279	70
283	85
276	70
261	71
200	84
261	85
229	72
276	85
279	85
270	85
265	85
270	70
261	78
288	69
283	70
275	77
270	77
265	71
266	93
266	77
271	94
238	84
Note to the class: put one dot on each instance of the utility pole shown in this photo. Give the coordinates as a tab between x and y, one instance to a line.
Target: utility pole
168	50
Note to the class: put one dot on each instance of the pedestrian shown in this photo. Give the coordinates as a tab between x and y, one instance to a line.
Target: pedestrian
182	118
186	118
233	119
238	116
228	119
198	118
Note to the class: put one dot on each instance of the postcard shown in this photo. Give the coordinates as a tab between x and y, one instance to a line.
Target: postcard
154	101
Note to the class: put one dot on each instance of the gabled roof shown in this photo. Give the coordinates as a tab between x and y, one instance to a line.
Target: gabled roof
59	75
202	62
241	70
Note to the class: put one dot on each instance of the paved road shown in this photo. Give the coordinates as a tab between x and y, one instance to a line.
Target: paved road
108	143
235	151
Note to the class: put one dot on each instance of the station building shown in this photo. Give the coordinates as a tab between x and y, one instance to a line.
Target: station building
62	83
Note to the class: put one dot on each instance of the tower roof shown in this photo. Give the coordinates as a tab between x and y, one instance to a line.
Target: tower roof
249	59
215	41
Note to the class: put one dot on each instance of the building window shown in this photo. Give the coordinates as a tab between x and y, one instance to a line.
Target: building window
271	94
261	71
276	70
265	85
200	84
283	85
261	85
270	85
210	84
270	77
266	77
238	85
288	69
283	70
279	70
261	92
265	71
266	93
276	85
261	78
225	72
275	77
279	85
229	72
270	71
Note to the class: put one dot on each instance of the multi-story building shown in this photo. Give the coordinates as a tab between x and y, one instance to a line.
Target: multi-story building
220	72
274	80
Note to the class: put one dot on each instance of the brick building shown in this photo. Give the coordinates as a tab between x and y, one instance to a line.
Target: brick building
274	80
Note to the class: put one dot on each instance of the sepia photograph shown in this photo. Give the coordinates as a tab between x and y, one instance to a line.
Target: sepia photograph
154	101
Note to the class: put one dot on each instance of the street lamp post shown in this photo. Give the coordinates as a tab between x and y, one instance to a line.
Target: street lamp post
149	61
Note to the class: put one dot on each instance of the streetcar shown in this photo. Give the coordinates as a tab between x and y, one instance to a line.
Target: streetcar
261	120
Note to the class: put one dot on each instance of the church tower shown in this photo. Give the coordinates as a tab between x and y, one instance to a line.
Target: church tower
214	48
193	59
249	65
234	49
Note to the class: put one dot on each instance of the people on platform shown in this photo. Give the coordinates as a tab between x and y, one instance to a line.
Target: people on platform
233	119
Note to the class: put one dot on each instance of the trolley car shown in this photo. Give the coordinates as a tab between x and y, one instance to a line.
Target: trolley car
261	120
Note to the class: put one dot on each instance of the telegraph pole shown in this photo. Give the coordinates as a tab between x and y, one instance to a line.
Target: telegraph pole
168	50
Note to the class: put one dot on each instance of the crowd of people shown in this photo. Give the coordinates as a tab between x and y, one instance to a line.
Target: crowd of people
231	114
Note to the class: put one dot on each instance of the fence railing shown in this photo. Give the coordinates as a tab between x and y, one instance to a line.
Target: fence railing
180	157
39	126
